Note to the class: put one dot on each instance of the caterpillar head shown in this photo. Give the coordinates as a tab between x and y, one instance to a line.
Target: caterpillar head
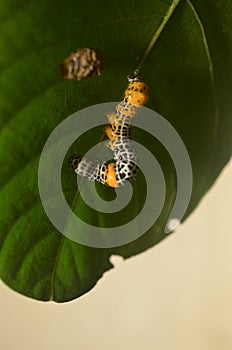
137	91
74	161
132	78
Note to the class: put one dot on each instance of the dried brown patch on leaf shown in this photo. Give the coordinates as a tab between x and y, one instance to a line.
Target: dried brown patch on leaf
83	63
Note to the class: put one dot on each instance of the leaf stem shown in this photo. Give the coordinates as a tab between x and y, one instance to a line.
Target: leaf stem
156	35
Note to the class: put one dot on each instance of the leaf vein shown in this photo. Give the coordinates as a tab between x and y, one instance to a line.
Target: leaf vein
75	264
55	267
211	68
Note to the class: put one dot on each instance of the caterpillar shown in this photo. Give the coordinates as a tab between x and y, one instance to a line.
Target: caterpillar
125	168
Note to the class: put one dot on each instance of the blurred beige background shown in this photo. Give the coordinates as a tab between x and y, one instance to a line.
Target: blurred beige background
177	295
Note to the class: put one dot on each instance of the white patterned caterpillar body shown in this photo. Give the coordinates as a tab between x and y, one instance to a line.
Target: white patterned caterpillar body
111	174
125	167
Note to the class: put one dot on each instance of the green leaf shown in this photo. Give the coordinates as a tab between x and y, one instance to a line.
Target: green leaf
189	74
